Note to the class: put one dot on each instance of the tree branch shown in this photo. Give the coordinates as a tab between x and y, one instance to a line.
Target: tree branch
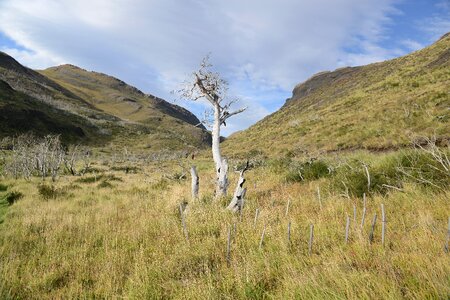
226	114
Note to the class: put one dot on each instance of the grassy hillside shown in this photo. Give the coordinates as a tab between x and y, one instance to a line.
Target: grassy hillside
92	108
21	113
115	96
378	106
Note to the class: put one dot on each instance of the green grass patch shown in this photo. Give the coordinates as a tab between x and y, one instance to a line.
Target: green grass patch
3	187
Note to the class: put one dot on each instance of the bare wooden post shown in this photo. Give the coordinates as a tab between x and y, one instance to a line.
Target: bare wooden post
319	198
364	211
347	228
371	235
287	207
368	176
229	246
183	223
194	182
311	238
446	247
256	217
289	233
262	237
383	224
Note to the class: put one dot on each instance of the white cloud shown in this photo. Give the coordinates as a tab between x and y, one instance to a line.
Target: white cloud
269	45
412	44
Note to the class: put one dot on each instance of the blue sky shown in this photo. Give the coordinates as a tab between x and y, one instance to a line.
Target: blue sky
262	47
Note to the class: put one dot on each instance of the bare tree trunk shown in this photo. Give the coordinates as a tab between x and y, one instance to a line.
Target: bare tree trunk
222	180
195	183
237	202
221	164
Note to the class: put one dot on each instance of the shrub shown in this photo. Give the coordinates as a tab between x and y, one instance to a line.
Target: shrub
12	197
423	168
310	170
3	187
391	172
49	191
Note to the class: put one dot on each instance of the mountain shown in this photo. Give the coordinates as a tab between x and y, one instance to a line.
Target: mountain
115	97
378	106
92	108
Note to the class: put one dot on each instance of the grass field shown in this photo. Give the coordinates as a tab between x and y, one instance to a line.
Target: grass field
115	235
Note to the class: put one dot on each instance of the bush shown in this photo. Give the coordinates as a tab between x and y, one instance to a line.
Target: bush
12	197
423	168
311	170
3	187
49	191
391	172
353	180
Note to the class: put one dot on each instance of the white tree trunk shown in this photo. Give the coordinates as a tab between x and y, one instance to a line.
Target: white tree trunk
217	157
195	183
222	180
237	203
221	164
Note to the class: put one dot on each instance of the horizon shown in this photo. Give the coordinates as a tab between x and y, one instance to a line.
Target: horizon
251	45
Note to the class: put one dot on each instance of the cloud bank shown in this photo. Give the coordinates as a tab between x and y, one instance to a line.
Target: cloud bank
263	47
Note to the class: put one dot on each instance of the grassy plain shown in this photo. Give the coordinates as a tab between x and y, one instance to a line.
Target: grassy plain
115	235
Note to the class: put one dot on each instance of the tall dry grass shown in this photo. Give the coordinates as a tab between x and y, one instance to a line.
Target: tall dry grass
125	240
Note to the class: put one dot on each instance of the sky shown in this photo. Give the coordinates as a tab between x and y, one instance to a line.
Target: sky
263	48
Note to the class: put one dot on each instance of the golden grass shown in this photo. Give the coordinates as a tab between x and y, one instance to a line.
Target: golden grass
127	242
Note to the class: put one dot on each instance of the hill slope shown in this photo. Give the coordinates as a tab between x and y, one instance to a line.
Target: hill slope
115	96
91	108
378	106
21	113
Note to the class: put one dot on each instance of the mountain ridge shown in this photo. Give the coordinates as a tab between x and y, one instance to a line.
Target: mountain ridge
61	107
378	106
86	83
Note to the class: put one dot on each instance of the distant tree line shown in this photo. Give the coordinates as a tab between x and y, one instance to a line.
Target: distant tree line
29	156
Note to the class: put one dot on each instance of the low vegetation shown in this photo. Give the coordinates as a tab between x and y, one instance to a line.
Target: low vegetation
71	240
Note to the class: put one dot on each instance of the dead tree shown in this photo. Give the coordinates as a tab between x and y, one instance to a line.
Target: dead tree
70	160
194	183
55	154
237	203
209	85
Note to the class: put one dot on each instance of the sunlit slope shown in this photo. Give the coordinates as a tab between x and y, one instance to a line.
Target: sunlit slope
378	106
115	96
